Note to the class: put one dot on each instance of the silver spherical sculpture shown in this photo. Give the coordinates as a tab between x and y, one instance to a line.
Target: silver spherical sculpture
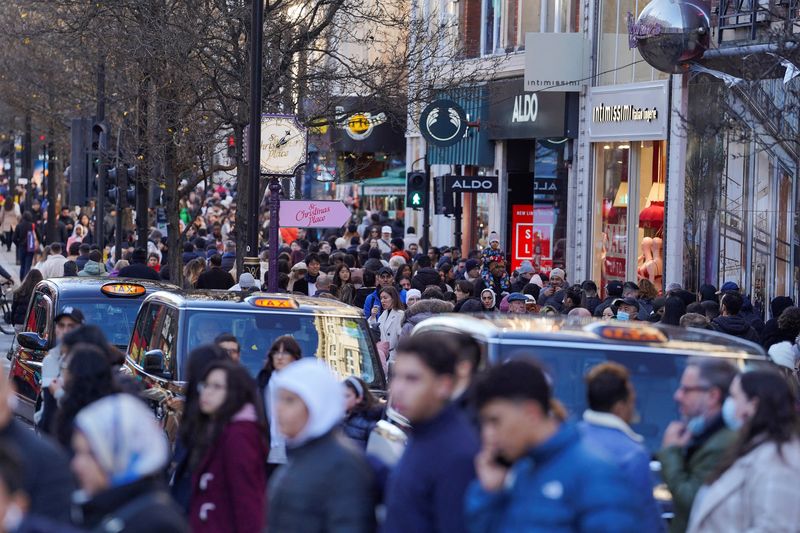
670	33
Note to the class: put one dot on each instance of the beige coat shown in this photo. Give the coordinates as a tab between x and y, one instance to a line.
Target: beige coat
759	493
9	219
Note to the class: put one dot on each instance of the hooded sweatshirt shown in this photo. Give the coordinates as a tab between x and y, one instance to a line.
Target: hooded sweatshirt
314	383
736	326
93	268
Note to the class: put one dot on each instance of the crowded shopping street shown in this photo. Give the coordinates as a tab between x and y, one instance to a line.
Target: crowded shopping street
394	266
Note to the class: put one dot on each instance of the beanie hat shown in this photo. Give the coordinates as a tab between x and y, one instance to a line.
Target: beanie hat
493	237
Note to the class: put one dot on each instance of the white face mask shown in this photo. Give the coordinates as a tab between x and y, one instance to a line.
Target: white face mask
13	517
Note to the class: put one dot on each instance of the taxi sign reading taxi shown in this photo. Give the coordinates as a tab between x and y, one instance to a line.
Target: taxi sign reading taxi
313	214
273	303
125	290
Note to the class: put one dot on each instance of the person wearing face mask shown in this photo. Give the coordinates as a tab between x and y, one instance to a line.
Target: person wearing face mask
693	448
756	488
627	308
606	426
327	483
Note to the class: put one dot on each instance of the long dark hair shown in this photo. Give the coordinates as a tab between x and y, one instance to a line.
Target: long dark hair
775	419
241	390
196	364
367	400
90	379
674	309
92	335
25	288
288	344
337	280
8	205
397	303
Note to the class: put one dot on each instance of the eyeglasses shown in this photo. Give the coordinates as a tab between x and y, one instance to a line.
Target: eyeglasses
695	388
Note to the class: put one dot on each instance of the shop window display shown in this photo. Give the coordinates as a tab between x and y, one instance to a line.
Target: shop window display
629	212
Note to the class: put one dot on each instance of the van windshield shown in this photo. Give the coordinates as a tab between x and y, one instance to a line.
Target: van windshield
655	377
343	342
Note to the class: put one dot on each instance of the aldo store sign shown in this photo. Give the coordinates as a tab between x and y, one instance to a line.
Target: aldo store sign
517	114
635	112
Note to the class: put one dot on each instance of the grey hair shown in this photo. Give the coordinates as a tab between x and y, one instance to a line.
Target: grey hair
715	372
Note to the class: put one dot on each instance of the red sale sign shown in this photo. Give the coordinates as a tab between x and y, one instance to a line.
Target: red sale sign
532	235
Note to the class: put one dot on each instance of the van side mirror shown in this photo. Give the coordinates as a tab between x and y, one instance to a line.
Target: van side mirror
31	341
154	363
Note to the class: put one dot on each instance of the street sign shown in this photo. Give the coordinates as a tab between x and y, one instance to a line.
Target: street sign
443	123
486	184
313	214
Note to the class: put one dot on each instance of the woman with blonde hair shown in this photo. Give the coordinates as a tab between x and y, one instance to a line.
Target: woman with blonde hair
192	271
647	293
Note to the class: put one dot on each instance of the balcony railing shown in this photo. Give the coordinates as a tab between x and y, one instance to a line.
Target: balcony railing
756	17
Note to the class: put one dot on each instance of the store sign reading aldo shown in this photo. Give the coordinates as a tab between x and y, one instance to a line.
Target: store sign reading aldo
526	108
623	113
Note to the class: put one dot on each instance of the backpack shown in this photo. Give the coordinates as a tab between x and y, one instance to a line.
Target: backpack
31	240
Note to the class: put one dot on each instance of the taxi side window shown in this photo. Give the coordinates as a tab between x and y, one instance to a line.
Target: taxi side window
37	318
165	336
143	333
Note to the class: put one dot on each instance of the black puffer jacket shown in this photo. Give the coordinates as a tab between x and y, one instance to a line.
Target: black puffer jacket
359	425
325	486
736	326
420	311
425	277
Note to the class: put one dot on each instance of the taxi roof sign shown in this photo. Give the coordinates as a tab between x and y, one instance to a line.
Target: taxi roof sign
631	334
273	303
123	290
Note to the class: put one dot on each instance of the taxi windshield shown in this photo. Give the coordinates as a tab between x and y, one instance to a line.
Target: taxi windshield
343	342
115	317
655	378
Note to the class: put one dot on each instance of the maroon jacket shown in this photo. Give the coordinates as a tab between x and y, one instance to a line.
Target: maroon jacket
229	486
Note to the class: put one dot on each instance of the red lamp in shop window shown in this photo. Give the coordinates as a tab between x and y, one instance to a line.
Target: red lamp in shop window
652	216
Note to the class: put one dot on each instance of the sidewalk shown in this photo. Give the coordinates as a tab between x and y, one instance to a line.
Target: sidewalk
9	261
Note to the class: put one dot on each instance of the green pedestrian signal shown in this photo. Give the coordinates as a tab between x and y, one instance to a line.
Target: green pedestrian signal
417	190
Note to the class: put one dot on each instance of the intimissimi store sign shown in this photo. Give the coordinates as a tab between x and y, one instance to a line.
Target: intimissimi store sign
635	112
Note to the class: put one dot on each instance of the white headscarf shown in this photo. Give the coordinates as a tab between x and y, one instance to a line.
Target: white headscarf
315	384
125	438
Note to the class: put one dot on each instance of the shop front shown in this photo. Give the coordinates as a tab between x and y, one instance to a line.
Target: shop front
628	129
535	131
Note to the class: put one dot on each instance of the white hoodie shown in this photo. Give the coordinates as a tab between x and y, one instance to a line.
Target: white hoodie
321	392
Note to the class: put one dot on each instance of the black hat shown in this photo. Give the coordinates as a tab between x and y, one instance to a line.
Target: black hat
627	301
614	288
385	270
72	312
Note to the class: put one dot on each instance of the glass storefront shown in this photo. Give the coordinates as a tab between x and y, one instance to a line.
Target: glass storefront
630	184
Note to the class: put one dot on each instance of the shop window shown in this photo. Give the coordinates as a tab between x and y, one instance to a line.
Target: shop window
629	213
762	237
783	219
733	217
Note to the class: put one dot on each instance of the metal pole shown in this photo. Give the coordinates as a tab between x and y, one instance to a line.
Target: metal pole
251	262
274	224
12	154
426	212
100	200
118	233
27	156
52	180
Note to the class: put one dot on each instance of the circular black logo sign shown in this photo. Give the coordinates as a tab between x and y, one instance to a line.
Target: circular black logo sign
443	123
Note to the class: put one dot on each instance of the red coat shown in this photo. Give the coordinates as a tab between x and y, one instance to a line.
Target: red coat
229	487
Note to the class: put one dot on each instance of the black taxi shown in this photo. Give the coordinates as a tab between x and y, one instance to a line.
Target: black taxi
108	303
171	324
567	348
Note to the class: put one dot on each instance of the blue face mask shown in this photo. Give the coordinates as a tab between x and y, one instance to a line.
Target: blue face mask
622	315
729	414
696	425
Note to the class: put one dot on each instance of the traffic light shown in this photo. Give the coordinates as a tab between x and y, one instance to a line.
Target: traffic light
416	190
130	186
112	182
231	146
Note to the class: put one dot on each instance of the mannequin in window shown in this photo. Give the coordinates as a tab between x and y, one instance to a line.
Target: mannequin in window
651	265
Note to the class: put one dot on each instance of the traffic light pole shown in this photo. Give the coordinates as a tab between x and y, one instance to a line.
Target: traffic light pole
100	207
426	211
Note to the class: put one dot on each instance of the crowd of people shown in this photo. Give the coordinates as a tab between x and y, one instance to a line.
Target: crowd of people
479	450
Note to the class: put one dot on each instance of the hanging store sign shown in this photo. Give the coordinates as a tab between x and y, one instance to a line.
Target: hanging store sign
443	123
556	61
517	114
634	112
458	184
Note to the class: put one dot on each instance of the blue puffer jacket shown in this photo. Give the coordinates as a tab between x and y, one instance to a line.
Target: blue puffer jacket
359	425
560	486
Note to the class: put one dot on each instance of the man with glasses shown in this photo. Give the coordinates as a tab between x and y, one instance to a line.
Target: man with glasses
694	446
